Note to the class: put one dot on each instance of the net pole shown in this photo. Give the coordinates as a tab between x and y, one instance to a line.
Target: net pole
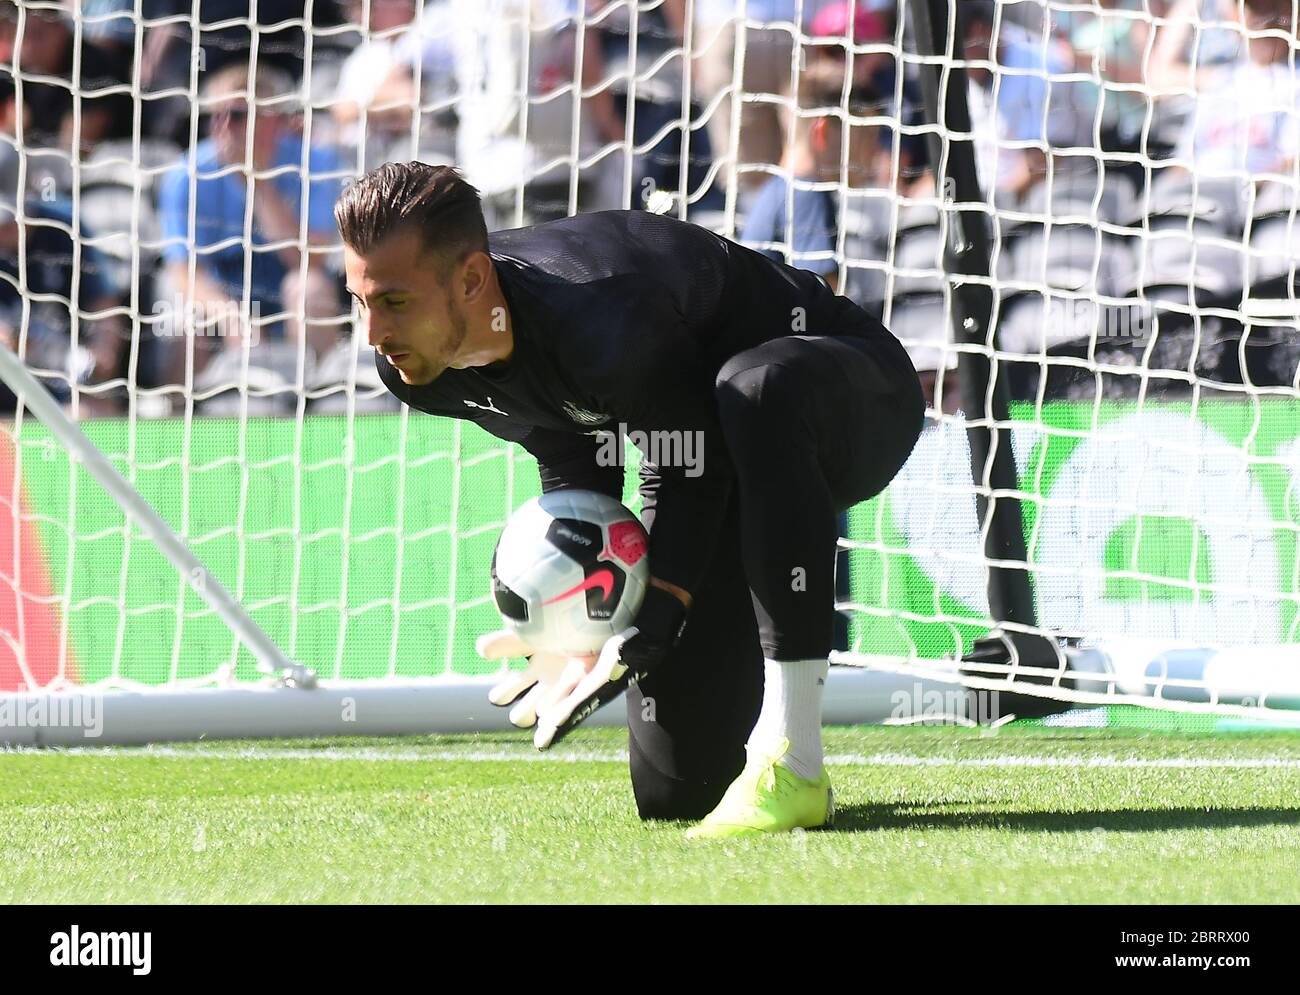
966	262
270	658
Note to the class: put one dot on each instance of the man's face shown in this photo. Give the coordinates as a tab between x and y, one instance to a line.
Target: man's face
230	131
416	324
10	113
45	39
864	155
977	46
388	15
1269	17
863	164
8	33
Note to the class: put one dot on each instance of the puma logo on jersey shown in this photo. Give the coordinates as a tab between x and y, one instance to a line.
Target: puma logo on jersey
582	416
486	407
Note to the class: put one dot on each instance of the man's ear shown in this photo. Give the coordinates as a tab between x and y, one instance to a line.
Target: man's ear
475	274
819	135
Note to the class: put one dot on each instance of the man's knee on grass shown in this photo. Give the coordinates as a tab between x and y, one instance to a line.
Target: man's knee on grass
662	796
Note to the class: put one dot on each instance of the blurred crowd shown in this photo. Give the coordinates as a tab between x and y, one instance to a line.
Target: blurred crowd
167	183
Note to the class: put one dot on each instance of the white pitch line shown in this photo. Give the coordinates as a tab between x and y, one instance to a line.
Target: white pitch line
368	754
902	760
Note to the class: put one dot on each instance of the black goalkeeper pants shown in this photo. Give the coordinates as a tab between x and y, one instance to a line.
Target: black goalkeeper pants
814	425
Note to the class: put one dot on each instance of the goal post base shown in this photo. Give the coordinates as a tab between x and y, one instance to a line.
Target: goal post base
1249	680
1015	649
88	718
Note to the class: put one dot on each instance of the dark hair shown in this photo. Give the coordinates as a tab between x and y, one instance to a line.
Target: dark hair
59	13
1277	11
436	200
821	86
972	13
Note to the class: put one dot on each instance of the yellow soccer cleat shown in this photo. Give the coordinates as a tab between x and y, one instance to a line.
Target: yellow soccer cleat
768	797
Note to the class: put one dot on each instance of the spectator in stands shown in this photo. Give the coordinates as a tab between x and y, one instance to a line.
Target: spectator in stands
1110	44
1190	40
807	222
224	38
658	97
38	315
111	25
10	112
1018	111
497	42
1248	112
48	49
1192	36
769	46
712	68
875	73
213	182
830	25
379	78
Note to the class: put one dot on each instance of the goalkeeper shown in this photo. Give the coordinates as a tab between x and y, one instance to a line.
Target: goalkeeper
797	405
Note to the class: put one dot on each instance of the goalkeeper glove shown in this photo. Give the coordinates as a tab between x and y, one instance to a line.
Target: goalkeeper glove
624	659
545	681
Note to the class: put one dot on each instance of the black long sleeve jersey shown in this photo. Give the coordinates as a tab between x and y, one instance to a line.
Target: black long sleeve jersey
621	321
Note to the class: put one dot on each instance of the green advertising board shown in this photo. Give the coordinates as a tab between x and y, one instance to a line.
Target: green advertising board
363	546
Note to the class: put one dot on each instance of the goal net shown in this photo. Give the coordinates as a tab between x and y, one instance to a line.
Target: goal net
172	277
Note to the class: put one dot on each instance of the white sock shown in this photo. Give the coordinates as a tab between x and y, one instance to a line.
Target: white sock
792	710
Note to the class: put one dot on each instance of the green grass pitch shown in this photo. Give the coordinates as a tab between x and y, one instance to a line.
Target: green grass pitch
1018	814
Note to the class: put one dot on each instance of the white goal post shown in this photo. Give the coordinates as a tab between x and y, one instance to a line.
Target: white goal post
218	524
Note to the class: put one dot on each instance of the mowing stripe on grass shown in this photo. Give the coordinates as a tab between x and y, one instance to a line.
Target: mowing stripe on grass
372	755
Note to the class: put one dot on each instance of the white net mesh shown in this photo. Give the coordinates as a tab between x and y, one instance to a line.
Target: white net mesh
173	274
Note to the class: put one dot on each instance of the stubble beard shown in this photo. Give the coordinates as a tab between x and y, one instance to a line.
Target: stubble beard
450	349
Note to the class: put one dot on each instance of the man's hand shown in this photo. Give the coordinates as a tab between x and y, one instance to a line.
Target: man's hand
625	659
548	678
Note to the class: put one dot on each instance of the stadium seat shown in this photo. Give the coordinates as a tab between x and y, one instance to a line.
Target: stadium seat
1032	322
918	258
1195	252
109	200
1274	199
107	210
1274	248
867	214
270	379
866	222
1216	201
921	322
1063	257
1081	194
1269	353
329	386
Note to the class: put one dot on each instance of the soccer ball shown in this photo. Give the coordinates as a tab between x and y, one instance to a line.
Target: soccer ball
570	570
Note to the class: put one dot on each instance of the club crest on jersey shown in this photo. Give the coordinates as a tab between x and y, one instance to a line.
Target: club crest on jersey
582	416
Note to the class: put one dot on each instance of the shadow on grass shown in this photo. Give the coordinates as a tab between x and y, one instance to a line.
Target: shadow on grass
873	818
